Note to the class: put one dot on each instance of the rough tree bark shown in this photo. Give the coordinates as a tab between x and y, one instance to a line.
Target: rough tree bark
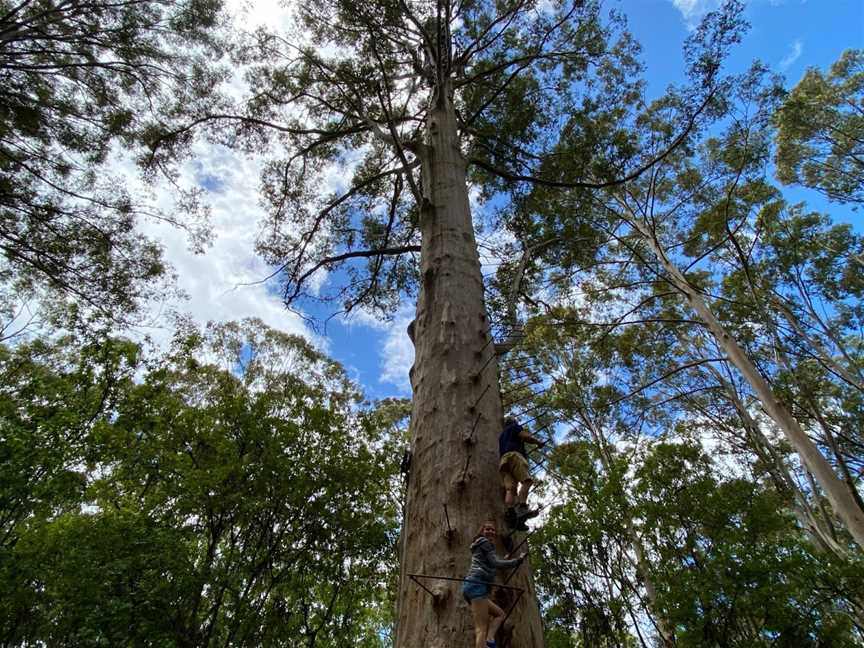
456	417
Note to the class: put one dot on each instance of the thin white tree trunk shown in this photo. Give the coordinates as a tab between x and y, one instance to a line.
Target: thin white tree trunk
665	629
835	490
780	474
455	420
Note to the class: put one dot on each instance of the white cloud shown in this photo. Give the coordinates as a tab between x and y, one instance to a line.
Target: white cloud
793	54
225	282
693	10
397	353
686	7
273	14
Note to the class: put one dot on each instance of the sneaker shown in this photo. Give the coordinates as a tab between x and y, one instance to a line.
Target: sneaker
491	644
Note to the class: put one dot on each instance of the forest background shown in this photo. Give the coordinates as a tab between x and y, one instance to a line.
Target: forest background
172	482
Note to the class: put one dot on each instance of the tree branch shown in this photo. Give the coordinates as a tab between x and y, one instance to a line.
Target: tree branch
393	251
561	184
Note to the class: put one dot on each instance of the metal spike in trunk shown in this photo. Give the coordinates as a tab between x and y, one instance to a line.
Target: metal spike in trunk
455	421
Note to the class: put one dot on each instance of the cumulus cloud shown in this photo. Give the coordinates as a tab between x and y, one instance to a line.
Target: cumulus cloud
792	54
225	281
397	353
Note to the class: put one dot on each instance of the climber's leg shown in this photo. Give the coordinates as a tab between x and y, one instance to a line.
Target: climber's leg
496	616
524	487
480	609
509	480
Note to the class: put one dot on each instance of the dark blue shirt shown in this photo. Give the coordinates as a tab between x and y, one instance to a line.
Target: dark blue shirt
509	440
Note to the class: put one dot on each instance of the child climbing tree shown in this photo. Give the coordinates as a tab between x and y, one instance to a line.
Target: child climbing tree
417	101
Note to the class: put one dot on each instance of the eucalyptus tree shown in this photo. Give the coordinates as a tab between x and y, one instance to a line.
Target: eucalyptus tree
644	528
775	289
820	131
732	212
76	81
415	103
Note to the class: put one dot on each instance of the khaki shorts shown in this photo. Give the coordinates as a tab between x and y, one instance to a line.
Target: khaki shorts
513	469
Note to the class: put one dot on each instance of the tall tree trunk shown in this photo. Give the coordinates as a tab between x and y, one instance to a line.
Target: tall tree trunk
843	503
455	419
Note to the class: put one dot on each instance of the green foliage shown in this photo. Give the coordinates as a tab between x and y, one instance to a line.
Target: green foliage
75	81
733	567
820	131
576	568
51	395
247	503
730	568
632	363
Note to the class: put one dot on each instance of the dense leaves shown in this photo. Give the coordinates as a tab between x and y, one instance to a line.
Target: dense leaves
202	505
820	131
729	566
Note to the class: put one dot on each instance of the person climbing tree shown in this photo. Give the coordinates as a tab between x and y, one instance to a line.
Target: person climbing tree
478	585
514	472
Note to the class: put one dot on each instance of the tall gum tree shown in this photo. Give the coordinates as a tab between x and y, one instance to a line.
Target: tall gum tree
743	150
705	220
415	102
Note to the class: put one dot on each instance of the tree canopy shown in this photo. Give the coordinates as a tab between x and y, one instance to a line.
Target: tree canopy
77	81
234	493
820	131
351	88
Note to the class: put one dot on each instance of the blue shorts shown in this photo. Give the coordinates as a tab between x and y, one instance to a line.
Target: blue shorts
475	590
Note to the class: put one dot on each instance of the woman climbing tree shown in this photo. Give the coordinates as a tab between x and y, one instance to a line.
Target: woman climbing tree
478	585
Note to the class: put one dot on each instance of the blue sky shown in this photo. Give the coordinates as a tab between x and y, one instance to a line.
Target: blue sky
788	35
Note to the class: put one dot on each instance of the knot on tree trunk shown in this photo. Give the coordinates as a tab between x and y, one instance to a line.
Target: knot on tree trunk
440	594
427	209
461	480
468	437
